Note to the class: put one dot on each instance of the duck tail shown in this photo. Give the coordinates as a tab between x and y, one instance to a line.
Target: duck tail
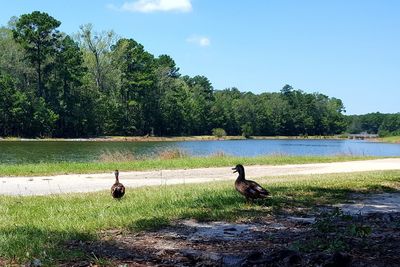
264	193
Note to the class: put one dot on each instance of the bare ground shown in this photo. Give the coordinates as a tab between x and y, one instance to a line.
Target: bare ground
329	238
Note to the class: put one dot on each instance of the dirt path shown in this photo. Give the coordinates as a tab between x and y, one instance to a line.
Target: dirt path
45	185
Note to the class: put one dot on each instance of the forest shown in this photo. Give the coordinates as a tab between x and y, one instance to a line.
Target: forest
95	83
375	123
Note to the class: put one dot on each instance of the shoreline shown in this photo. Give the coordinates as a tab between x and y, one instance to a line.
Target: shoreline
389	140
167	139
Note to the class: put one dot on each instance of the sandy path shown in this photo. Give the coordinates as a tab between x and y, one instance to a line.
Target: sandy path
45	185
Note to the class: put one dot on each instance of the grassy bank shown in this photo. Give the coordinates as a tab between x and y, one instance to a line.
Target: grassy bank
170	161
42	227
390	139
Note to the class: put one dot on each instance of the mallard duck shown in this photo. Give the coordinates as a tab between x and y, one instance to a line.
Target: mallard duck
118	189
249	189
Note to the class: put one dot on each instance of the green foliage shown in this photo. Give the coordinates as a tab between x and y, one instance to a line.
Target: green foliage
37	34
99	84
375	123
247	130
218	132
22	116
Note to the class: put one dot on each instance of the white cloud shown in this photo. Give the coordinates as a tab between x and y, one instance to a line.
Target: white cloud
149	6
199	40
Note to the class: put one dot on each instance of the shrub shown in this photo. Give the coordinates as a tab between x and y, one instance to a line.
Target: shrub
218	132
247	130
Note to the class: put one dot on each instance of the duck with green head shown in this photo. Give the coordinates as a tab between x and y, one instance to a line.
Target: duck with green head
249	189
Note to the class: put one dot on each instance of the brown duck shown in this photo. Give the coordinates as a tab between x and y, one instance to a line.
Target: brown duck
249	189
118	189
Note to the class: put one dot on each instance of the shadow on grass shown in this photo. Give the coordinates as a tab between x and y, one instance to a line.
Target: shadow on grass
232	206
149	224
26	243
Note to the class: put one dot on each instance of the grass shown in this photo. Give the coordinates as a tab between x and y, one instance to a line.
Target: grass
42	226
390	139
167	160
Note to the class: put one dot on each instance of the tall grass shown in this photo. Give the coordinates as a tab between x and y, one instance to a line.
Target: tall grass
172	154
116	156
390	139
43	226
126	156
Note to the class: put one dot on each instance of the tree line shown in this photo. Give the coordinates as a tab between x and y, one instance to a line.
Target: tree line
375	123
96	83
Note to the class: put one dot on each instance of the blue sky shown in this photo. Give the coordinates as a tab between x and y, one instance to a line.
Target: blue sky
344	49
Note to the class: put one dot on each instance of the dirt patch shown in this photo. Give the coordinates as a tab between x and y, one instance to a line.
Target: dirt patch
382	203
331	238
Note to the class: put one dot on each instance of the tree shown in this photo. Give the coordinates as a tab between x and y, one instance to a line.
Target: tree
138	90
390	125
176	109
99	84
172	95
97	46
67	76
37	34
168	67
13	60
245	113
223	112
7	105
202	98
22	116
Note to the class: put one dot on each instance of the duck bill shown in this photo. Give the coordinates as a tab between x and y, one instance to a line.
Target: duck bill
234	169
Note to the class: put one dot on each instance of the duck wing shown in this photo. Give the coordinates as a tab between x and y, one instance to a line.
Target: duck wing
255	190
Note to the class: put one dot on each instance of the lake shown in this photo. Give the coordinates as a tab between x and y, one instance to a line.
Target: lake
87	151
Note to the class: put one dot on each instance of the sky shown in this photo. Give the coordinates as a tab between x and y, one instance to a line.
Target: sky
344	49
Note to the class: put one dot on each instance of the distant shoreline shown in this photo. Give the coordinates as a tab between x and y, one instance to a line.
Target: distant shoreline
170	139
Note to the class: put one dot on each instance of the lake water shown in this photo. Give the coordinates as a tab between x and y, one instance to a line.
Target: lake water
85	151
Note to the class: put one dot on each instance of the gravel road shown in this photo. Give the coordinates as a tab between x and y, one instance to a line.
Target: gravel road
46	185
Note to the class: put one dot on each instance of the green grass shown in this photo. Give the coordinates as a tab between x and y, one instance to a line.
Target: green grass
390	139
42	226
157	164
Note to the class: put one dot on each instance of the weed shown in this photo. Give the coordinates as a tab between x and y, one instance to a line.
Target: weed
116	156
172	154
333	230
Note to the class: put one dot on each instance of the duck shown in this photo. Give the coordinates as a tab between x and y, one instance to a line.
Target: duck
249	189
118	189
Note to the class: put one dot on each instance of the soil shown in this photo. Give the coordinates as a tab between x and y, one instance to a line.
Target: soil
330	237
